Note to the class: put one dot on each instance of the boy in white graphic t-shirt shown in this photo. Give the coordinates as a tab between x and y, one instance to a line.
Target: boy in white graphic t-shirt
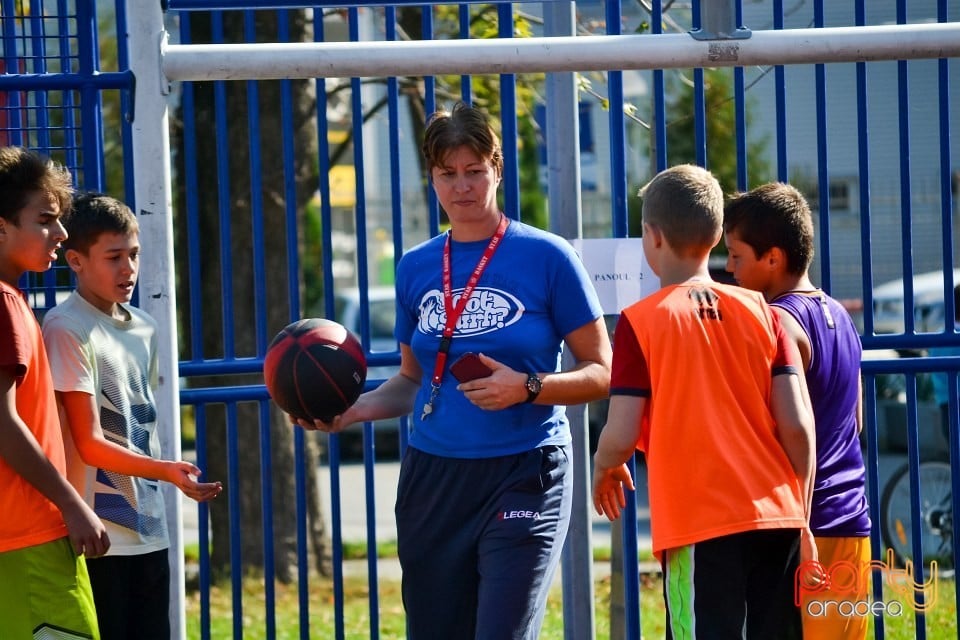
104	361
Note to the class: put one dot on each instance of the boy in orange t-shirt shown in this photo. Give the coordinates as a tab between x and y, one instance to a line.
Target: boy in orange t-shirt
46	527
706	383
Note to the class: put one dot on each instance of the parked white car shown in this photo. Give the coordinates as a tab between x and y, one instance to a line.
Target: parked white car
382	317
928	317
928	303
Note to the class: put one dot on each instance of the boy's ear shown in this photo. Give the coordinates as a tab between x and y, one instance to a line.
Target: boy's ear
73	259
655	234
775	258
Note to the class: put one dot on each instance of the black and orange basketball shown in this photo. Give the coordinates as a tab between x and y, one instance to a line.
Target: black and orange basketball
314	369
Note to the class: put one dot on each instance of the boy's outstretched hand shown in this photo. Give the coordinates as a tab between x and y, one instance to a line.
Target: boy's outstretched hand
608	484
184	475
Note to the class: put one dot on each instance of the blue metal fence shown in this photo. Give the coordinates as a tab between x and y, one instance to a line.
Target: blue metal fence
50	99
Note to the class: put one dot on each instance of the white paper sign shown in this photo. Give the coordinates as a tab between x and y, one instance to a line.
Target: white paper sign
618	270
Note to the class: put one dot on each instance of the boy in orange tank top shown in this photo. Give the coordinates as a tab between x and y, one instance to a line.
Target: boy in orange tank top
46	528
706	383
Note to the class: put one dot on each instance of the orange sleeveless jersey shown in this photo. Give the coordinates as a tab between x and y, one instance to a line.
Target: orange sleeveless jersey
705	356
28	518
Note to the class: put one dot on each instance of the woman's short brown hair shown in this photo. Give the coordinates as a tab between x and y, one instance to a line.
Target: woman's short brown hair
463	126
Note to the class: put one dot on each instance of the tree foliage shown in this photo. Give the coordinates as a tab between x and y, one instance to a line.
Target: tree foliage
721	129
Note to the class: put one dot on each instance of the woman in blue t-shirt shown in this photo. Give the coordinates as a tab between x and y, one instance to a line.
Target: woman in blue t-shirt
485	488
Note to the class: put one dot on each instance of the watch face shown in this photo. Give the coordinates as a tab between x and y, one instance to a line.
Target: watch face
533	384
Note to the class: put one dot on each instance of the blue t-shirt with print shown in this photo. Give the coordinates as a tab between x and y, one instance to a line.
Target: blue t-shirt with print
533	292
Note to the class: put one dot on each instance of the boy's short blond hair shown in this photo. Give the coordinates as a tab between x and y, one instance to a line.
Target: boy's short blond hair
685	203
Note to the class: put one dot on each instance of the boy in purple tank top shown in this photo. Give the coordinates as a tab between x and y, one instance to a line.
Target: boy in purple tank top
769	235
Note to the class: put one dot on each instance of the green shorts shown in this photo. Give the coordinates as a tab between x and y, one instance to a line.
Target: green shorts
45	593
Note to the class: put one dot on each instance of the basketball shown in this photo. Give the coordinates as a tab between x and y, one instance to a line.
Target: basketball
314	369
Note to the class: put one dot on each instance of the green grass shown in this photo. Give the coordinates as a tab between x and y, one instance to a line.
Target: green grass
941	621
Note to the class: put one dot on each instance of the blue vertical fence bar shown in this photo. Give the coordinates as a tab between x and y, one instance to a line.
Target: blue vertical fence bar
430	105
863	165
293	295
369	459
256	198
465	86
333	451
953	411
906	203
947	205
618	204
38	48
224	200
699	102
200	417
233	494
873	488
780	101
659	132
91	116
303	569
260	324
823	171
126	107
740	106
191	189
948	202
266	513
396	186
508	121
869	381
916	524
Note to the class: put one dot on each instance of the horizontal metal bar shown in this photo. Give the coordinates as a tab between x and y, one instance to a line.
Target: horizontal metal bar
228	5
238	366
207	395
271	61
910	365
65	81
220	367
903	341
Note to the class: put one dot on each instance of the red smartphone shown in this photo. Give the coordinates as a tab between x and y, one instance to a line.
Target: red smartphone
469	367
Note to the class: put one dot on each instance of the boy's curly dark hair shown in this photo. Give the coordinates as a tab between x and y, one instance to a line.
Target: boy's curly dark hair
23	173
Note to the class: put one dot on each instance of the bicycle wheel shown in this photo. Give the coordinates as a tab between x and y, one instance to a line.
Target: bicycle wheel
935	511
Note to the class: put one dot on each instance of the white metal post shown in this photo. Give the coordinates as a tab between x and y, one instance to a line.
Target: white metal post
152	193
566	219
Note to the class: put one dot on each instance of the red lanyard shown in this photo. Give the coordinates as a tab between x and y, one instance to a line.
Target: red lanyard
454	312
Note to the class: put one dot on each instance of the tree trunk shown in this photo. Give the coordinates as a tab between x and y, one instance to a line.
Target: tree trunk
238	285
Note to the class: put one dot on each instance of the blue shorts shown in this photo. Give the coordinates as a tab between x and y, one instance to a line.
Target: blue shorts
479	541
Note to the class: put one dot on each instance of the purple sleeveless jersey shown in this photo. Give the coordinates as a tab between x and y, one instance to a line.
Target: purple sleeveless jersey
839	497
